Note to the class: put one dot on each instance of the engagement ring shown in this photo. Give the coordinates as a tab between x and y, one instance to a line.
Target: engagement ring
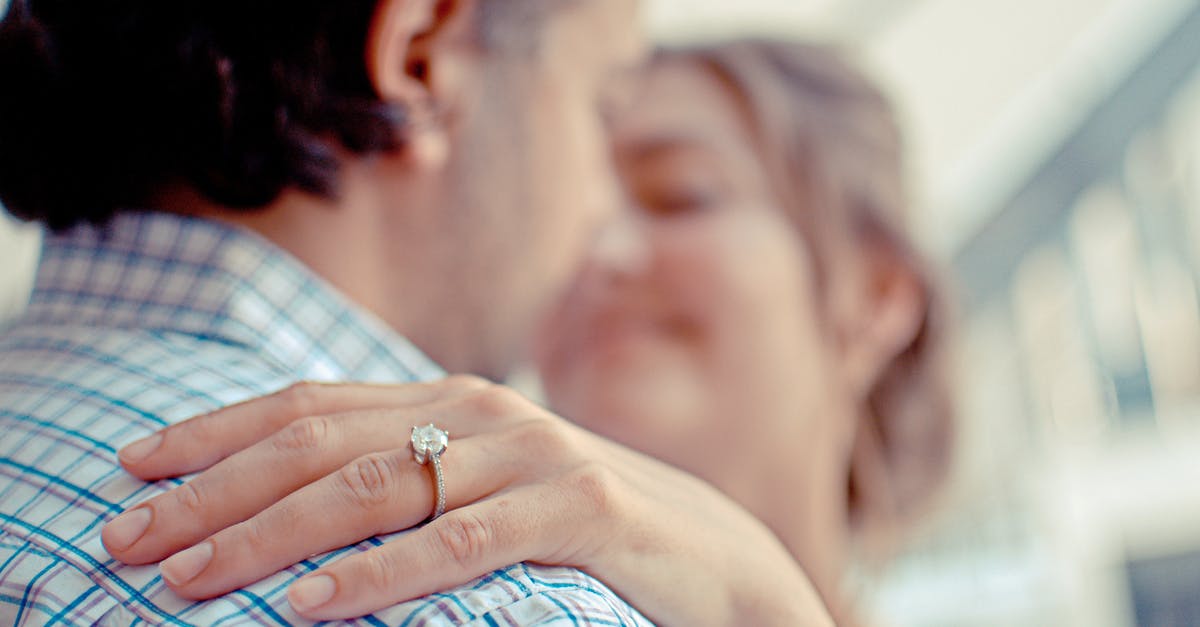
428	444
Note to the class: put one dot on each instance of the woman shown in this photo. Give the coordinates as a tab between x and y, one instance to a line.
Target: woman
776	334
762	324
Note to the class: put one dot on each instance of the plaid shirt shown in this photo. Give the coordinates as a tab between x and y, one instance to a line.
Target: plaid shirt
152	320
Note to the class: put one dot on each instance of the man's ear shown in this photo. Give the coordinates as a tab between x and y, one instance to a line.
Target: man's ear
889	311
417	56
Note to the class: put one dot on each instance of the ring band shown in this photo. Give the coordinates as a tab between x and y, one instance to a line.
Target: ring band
428	444
439	487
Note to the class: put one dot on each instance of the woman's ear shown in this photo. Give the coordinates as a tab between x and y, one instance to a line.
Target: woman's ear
888	312
418	56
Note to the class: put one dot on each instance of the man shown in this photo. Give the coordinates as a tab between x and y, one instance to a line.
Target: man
323	187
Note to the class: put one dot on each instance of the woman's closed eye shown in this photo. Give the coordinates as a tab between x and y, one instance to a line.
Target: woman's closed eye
682	187
677	200
676	178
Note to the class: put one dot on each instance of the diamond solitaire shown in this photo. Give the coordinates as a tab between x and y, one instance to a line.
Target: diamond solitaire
428	442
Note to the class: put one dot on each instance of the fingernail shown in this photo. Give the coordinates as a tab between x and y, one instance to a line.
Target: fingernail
183	567
141	449
124	530
311	592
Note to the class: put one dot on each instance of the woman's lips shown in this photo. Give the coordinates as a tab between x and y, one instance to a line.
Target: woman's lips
611	333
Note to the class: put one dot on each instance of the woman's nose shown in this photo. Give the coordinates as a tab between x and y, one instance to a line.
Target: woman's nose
622	247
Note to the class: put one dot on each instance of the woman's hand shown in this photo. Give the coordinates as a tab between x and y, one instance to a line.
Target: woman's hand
319	467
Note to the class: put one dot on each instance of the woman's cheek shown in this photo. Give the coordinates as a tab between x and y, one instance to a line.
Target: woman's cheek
761	303
755	259
697	267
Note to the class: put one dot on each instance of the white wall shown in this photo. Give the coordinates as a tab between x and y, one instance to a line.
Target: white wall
18	254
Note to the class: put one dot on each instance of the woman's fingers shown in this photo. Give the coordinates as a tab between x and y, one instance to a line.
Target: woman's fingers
268	506
460	546
249	481
200	442
376	494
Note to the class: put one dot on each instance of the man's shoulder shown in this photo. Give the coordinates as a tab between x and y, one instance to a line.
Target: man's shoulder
522	594
71	397
139	374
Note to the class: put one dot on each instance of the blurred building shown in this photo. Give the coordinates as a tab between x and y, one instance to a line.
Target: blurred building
1078	270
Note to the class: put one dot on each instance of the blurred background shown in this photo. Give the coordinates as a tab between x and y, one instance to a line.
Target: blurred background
1055	151
1056	156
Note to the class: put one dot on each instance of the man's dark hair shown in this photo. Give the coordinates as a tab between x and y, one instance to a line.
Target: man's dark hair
103	102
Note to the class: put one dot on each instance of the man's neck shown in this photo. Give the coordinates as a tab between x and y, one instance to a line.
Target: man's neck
385	256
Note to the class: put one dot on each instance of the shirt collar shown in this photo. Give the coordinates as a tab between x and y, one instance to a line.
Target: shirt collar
173	274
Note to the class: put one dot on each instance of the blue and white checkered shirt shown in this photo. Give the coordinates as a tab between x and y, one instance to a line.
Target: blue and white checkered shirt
152	320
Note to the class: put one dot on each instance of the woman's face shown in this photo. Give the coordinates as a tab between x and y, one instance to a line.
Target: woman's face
693	333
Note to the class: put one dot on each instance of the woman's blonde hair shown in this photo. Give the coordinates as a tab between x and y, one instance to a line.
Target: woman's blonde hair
834	155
